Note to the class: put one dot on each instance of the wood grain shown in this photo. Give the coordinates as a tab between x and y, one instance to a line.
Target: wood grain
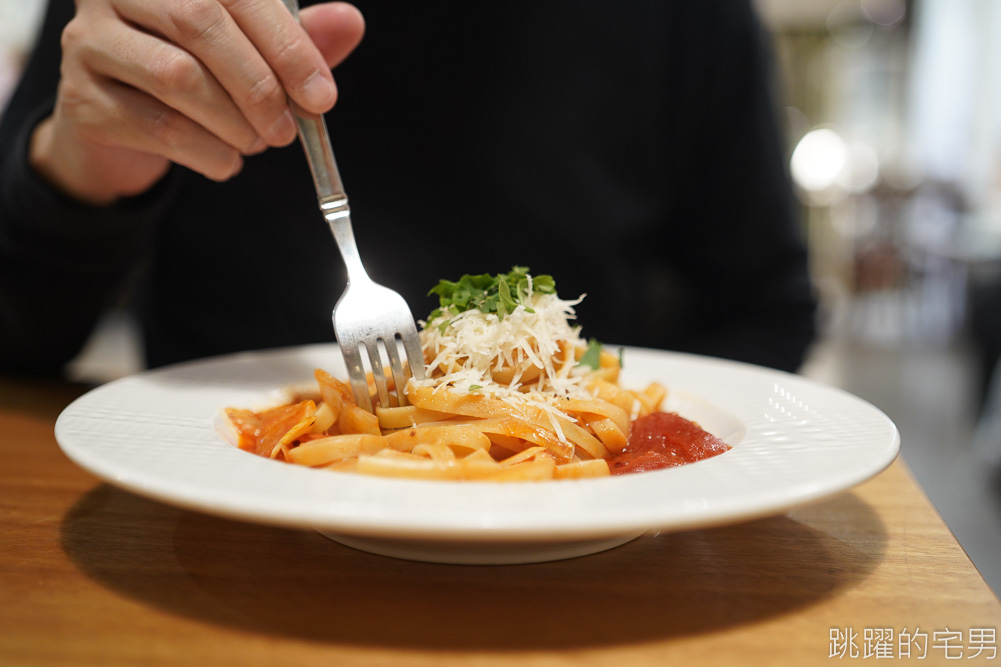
92	575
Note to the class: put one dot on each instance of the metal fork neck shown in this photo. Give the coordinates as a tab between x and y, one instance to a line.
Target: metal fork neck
330	191
338	216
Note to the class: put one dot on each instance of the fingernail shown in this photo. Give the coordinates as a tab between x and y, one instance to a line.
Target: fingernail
235	169
283	131
259	146
319	92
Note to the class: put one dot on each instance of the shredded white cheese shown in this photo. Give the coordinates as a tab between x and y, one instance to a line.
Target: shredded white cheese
468	351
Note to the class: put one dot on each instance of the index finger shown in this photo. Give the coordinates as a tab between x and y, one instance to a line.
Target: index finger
288	50
234	40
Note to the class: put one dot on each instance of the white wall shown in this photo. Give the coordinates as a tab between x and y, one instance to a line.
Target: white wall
19	21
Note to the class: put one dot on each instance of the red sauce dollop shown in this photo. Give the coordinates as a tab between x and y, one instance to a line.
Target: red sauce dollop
664	440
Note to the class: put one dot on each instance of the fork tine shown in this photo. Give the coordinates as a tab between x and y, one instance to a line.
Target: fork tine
373	313
415	355
378	372
396	365
356	375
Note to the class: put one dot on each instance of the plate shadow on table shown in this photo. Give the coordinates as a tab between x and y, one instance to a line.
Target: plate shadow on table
298	584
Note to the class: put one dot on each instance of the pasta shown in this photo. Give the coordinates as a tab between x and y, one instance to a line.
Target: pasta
513	393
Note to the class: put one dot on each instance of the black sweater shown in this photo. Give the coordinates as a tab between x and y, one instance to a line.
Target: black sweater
629	149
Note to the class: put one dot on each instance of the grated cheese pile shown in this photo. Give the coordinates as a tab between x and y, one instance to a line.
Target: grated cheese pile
465	350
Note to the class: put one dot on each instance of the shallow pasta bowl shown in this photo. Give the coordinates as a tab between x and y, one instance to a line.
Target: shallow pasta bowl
158	434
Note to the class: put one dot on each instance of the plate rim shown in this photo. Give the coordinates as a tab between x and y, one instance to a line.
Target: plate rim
471	527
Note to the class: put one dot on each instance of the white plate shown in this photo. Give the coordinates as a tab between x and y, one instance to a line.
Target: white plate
793	441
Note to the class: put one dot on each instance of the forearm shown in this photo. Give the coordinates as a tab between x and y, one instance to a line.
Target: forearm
61	262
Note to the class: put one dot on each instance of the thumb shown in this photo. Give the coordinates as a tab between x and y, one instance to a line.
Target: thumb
335	27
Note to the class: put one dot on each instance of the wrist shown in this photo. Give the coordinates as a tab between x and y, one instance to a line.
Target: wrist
59	169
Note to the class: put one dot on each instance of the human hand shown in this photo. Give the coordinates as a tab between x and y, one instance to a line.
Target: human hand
201	83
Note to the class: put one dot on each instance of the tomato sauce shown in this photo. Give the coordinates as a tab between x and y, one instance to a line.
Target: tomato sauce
664	440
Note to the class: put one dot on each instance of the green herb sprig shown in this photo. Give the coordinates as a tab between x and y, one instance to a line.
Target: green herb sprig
592	355
499	294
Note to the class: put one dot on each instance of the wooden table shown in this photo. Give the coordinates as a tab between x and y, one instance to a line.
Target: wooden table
91	575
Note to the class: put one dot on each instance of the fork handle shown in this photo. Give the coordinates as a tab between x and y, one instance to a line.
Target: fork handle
315	141
330	193
320	156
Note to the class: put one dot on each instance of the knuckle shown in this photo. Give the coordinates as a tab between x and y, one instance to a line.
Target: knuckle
193	19
96	121
72	96
237	6
78	42
172	72
74	33
291	51
267	92
167	129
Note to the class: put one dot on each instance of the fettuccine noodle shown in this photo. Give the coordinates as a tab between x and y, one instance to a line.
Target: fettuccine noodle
508	398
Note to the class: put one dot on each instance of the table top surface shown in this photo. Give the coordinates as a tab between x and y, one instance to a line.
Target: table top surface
96	575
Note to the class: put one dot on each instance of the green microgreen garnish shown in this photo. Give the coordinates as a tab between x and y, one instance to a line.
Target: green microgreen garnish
475	387
500	294
592	355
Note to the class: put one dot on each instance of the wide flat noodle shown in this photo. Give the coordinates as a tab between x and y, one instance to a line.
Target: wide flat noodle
475	405
448	434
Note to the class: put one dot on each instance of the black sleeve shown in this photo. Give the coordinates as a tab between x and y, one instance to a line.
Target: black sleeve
739	248
635	155
61	262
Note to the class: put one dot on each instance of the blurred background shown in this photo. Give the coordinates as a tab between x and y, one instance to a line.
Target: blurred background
894	143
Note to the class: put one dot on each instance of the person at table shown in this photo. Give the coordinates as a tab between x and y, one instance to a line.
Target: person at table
630	150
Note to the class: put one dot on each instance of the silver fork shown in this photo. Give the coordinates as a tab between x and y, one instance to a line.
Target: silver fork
367	315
